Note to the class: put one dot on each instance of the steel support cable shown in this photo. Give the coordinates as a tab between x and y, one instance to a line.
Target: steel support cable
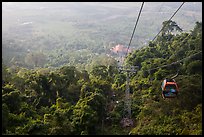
176	62
169	20
134	28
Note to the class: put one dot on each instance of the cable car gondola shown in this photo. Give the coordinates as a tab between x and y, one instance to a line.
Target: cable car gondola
169	88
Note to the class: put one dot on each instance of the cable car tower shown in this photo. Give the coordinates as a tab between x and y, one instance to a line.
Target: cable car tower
128	70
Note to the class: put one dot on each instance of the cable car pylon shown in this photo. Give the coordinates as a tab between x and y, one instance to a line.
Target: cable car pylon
127	121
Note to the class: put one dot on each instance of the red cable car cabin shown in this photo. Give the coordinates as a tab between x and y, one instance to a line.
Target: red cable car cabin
169	88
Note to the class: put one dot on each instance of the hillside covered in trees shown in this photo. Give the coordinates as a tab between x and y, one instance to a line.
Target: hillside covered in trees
69	101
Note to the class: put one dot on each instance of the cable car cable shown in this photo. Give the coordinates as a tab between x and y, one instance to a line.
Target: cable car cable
169	20
172	62
135	27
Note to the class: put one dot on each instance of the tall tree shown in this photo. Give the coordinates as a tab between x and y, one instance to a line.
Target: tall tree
170	26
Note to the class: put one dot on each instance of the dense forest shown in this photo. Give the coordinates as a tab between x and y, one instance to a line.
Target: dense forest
71	101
